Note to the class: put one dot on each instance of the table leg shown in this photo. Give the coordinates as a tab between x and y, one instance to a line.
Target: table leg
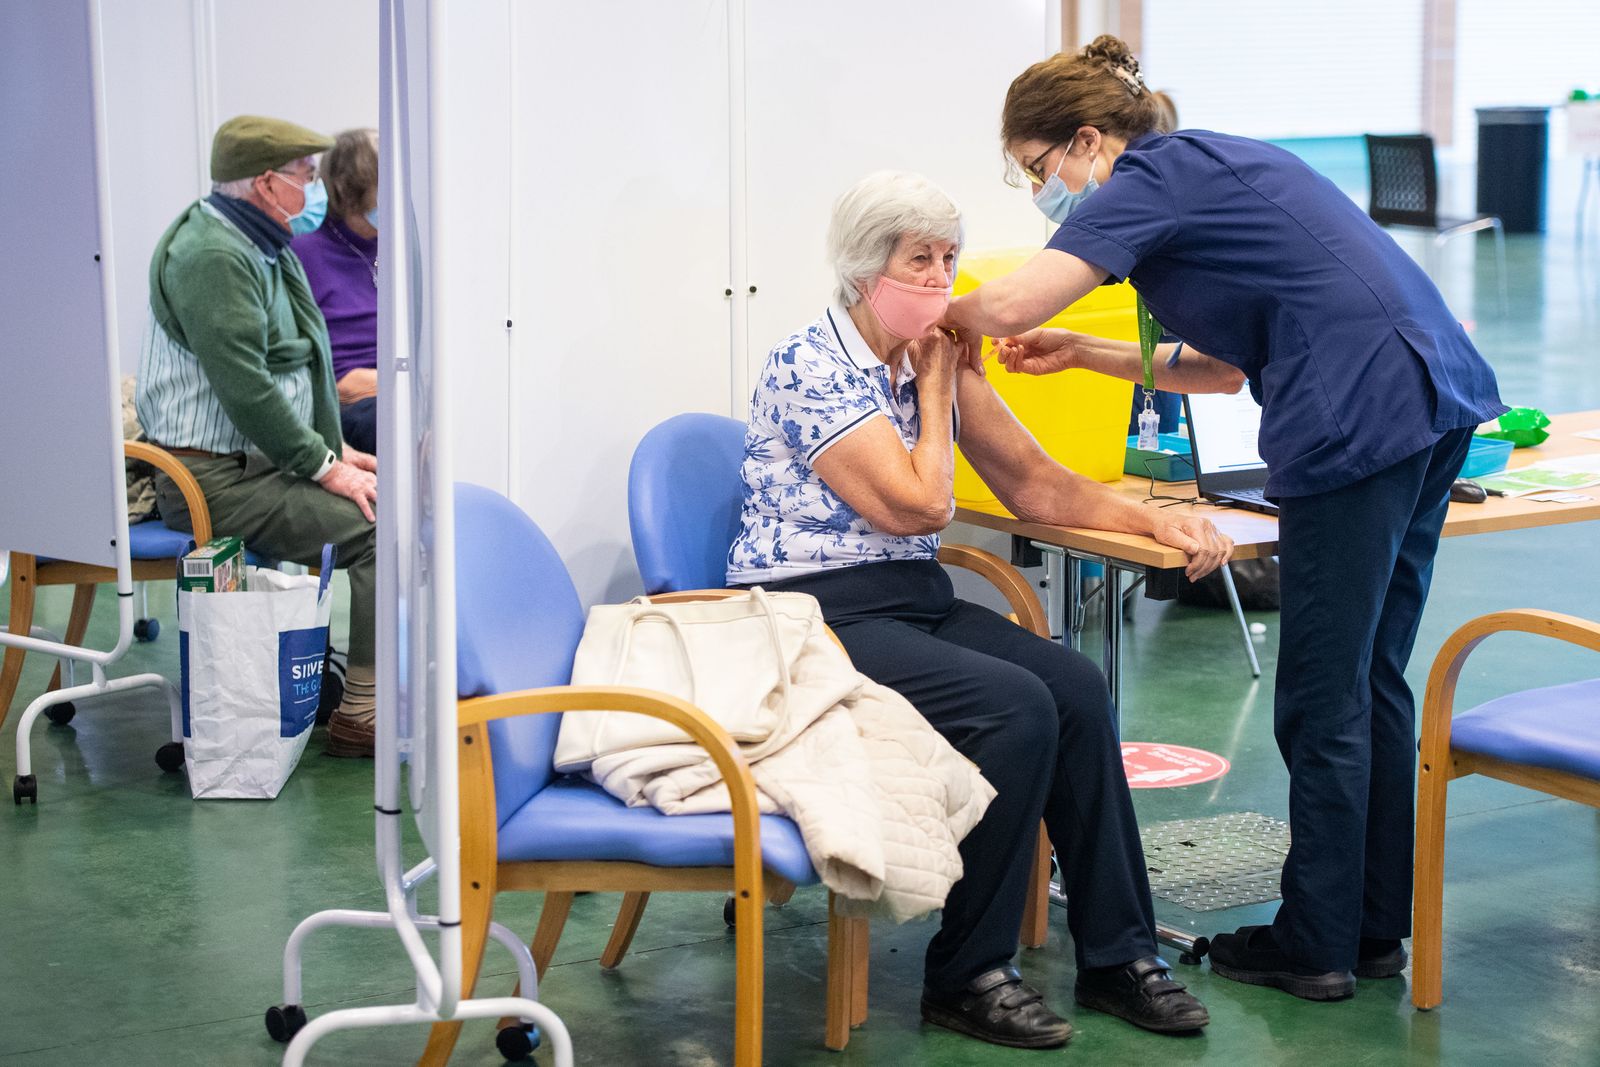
1111	637
1075	602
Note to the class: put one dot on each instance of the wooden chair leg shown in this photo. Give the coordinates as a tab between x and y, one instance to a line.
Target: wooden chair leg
627	924
1427	943
477	908
20	622
841	978
77	623
861	942
1036	912
552	920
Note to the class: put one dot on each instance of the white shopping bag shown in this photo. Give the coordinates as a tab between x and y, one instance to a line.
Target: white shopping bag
252	679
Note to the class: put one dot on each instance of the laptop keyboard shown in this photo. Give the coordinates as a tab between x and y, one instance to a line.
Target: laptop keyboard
1249	494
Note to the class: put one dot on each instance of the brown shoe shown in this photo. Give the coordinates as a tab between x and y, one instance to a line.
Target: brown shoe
350	736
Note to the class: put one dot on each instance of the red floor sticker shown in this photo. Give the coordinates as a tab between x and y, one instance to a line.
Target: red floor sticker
1155	766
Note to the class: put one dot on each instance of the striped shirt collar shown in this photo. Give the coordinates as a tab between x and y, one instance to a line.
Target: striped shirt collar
855	347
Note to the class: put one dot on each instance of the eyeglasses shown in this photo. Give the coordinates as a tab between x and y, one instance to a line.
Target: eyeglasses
1032	171
302	180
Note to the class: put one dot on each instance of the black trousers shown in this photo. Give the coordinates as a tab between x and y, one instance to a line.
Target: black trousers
359	424
1036	719
1356	563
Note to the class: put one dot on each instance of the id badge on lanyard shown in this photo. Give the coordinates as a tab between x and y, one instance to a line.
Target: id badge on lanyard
1149	336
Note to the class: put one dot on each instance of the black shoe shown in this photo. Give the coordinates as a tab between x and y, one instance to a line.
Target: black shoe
1380	958
1252	956
1144	993
999	1008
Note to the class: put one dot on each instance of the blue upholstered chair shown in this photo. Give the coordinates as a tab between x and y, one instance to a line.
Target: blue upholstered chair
684	499
154	549
1546	739
525	827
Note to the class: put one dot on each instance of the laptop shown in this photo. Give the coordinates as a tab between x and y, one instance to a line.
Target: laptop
1222	432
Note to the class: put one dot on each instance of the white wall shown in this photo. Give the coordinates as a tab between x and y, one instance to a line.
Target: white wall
1548	49
590	192
1263	68
621	221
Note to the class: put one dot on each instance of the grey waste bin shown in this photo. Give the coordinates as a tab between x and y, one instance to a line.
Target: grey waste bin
1512	150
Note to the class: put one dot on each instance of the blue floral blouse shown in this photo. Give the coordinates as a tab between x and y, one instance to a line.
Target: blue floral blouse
817	386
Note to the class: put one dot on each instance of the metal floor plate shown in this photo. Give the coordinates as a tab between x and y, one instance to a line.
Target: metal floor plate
1220	862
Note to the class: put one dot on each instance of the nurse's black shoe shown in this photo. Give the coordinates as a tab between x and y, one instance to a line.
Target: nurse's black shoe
1380	958
1144	993
1251	955
998	1007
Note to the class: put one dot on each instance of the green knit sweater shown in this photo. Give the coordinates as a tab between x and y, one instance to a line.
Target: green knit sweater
245	317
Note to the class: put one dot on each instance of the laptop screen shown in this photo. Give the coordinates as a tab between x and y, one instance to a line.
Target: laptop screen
1224	428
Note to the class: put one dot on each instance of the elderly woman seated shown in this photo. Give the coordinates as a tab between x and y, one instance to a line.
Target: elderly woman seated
848	474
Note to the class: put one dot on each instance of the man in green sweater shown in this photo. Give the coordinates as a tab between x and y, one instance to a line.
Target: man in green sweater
235	378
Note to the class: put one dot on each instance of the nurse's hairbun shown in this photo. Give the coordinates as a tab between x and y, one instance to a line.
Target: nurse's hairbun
1098	85
1113	52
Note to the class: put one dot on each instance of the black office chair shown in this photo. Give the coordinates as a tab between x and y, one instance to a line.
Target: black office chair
1404	181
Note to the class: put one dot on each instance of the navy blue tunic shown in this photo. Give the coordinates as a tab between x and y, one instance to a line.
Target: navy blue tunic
1250	256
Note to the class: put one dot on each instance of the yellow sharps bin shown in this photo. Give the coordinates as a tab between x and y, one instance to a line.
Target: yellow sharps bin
1079	416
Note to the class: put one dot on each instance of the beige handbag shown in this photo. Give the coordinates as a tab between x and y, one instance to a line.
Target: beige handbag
729	657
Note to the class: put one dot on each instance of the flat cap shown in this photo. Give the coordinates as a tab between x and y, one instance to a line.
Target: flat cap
254	144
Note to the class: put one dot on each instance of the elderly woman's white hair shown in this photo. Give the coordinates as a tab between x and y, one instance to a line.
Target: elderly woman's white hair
869	220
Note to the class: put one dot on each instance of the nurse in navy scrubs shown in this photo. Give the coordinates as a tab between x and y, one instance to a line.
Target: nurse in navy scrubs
1369	390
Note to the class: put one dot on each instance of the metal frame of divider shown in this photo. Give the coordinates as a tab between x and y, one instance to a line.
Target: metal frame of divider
416	594
25	786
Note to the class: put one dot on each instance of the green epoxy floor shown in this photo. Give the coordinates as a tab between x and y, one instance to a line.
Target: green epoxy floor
139	927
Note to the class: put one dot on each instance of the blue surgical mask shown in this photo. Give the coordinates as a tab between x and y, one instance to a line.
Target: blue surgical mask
1056	200
315	209
372	218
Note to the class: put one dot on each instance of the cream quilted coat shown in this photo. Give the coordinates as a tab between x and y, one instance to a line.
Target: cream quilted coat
881	799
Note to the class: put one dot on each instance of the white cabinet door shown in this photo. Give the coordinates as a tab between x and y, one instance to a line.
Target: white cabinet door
839	88
619	264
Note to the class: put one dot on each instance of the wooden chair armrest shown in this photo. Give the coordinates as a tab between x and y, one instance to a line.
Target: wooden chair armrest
1024	602
1438	705
172	467
475	713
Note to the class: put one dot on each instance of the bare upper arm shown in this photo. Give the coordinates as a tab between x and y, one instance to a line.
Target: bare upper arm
1000	448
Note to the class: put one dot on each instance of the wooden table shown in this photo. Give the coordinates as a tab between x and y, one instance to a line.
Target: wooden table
1254	535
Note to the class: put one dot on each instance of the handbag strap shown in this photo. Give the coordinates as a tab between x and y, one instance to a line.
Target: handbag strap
650	610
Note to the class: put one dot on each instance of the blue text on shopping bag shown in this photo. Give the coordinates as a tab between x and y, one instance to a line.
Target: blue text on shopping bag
300	656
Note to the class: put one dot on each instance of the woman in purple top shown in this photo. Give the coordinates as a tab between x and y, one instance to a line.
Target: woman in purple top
341	261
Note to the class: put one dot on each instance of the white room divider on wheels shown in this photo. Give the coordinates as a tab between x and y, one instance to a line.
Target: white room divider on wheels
416	561
62	493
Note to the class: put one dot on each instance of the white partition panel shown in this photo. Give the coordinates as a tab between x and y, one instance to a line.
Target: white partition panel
60	449
838	89
619	246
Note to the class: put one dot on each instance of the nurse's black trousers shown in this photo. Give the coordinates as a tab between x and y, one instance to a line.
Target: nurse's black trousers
1356	563
1036	719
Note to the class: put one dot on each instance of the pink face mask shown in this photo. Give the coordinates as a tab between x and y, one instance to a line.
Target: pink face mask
907	310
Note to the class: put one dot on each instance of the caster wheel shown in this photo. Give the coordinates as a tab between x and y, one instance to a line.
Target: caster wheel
25	787
146	629
169	757
284	1021
1202	945
728	913
517	1042
60	714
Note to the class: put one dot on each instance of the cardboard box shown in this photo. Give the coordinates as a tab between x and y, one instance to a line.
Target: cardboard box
215	567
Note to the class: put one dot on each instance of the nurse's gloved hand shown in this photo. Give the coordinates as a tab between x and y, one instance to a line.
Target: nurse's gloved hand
1042	351
1206	546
